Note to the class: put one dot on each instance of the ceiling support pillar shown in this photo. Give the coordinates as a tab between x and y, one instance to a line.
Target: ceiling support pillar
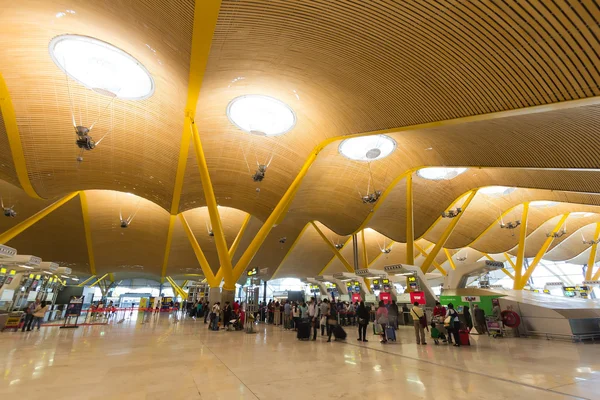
210	277
435	263
542	252
450	260
410	222
449	229
332	247
593	251
521	249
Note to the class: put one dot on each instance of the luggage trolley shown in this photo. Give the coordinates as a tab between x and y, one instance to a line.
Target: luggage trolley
495	328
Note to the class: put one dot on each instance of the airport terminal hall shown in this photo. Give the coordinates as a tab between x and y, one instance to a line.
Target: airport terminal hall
300	199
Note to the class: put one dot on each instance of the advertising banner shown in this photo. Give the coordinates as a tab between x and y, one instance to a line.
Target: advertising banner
74	306
418	297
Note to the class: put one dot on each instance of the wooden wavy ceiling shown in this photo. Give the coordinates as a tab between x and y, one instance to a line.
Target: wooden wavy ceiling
345	67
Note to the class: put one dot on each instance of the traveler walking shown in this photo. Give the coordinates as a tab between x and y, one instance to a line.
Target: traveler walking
453	325
313	314
362	313
382	319
419	322
39	314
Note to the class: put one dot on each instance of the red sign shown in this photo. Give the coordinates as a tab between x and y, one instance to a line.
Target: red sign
418	297
356	297
385	297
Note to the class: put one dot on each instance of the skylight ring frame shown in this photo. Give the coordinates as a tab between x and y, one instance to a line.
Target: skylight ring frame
70	36
270	98
385	138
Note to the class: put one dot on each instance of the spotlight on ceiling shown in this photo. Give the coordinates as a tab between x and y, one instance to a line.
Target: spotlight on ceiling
440	173
372	197
367	148
8	211
282	240
452	213
339	246
261	115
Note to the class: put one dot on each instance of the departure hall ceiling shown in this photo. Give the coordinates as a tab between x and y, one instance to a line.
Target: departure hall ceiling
506	89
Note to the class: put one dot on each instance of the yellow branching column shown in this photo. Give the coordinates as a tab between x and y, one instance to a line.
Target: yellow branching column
335	251
410	222
521	250
593	251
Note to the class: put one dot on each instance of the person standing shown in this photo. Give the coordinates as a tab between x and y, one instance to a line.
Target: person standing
227	315
29	316
39	313
324	310
480	323
362	313
419	320
468	318
313	314
206	310
303	310
453	325
332	321
295	315
287	315
382	319
214	316
393	314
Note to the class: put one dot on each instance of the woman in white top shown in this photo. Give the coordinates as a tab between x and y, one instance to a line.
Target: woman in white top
296	315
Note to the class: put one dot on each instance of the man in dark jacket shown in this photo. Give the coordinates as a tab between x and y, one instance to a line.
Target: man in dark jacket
362	313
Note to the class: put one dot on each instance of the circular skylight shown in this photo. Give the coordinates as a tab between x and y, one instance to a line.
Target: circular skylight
542	203
367	148
497	190
261	115
582	214
440	173
101	67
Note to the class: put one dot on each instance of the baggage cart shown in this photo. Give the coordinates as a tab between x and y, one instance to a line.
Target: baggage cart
495	328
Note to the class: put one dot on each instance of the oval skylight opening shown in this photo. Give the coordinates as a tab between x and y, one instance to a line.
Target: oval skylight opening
101	67
440	173
496	190
582	214
261	115
367	148
543	203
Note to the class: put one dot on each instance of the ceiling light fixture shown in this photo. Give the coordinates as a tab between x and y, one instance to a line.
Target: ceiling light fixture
367	148
497	190
261	115
101	67
452	213
440	173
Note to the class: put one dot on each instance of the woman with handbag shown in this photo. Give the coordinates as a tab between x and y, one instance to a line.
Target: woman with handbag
381	317
452	323
363	320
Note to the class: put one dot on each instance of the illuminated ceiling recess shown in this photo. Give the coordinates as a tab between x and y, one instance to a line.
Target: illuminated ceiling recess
497	190
261	115
101	67
543	203
367	148
440	173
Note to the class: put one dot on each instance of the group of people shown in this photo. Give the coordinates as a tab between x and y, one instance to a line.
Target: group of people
232	314
287	312
34	315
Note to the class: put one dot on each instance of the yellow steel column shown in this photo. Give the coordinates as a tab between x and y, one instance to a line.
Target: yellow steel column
512	264
507	272
14	140
234	246
168	245
410	222
213	212
364	250
333	258
210	277
87	280
111	276
332	247
99	280
290	250
450	260
542	252
435	263
521	249
19	228
593	251
88	231
449	229
176	288
596	275
265	229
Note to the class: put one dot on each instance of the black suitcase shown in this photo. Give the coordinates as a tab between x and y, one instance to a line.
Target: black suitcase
339	332
303	330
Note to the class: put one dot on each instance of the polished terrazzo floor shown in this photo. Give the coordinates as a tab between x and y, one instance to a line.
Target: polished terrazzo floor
166	360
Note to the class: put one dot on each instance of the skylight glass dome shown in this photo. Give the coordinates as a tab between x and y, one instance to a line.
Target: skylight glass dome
440	173
261	115
367	148
496	190
543	203
101	67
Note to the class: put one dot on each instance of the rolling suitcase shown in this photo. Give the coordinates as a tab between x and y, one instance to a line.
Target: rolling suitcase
390	333
464	338
303	330
339	332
